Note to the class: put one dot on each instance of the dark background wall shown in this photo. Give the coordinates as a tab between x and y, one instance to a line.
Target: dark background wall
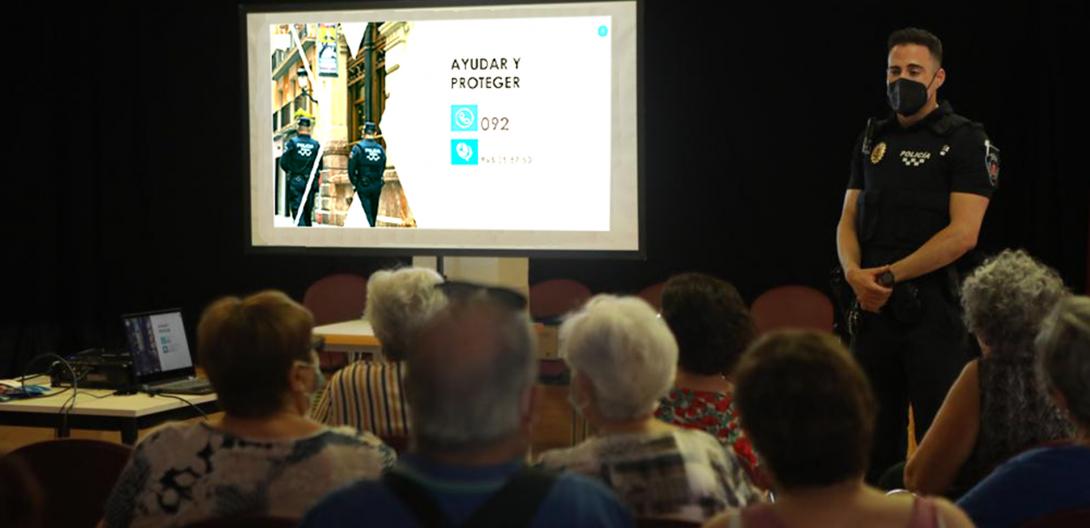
126	180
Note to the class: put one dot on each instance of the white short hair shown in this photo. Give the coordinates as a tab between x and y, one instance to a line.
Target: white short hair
626	351
1063	348
399	302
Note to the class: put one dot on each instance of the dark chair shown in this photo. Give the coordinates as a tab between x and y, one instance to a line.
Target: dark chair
653	295
792	307
1063	519
551	299
22	502
246	521
76	477
333	299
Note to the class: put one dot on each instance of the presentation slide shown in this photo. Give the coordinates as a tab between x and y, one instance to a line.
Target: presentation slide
497	127
508	120
169	334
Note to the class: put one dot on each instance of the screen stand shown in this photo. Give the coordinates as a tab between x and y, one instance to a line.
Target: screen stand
510	272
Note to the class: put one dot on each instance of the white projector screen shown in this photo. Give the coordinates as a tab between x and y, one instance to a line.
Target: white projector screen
497	129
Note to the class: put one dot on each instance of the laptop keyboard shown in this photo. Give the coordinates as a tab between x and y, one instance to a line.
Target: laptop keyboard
187	386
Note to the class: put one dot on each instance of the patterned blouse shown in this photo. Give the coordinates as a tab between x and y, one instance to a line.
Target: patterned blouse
712	412
185	473
680	474
367	395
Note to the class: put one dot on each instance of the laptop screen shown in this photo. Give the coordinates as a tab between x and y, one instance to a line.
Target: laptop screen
158	345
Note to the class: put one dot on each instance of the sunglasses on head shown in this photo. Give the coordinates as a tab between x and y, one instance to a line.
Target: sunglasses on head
460	290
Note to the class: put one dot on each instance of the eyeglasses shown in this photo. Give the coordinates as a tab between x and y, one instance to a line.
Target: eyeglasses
317	343
460	290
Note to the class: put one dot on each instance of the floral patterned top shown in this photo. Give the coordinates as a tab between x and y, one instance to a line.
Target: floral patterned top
712	412
182	474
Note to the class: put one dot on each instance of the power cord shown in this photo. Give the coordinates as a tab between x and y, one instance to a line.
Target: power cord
65	407
156	392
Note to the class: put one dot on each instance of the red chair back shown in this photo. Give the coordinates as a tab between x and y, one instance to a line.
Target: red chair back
335	298
76	477
792	307
553	298
653	295
332	299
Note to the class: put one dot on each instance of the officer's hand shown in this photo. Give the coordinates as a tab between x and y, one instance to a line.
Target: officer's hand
864	282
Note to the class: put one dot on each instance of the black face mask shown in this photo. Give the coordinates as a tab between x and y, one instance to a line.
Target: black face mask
906	97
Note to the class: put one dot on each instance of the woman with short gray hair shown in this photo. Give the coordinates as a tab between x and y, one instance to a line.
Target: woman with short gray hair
369	395
623	359
1054	478
995	409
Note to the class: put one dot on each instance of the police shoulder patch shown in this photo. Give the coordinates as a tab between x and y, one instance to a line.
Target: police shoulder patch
991	162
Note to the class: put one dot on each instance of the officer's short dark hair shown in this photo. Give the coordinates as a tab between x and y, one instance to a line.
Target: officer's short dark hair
710	321
918	36
248	346
807	407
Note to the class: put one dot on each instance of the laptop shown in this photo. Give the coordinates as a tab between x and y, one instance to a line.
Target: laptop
160	353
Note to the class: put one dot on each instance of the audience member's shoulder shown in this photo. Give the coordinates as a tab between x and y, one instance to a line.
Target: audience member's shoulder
348	438
348	435
1061	453
700	439
174	433
564	458
585	502
951	516
346	506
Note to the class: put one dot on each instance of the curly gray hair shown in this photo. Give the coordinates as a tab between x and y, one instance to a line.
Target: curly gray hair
399	302
1063	348
1006	298
625	350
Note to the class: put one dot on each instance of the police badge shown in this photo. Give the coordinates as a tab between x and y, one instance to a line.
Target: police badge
877	153
991	162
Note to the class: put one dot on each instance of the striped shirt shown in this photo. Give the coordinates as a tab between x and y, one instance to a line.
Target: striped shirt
367	395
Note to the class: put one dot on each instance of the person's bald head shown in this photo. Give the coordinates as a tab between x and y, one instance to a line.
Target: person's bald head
469	375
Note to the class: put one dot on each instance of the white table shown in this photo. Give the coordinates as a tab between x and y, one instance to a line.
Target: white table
100	409
357	336
353	337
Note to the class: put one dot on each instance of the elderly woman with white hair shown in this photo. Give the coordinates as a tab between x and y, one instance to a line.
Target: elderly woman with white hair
623	360
368	395
996	408
1053	478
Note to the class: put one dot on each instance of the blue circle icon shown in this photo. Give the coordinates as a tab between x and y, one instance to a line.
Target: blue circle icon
603	31
464	117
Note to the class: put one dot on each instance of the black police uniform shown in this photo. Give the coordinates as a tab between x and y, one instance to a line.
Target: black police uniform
366	164
297	160
916	346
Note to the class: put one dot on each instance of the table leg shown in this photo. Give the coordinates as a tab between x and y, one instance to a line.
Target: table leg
129	432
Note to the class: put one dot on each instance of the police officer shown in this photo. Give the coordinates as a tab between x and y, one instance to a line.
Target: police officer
366	164
920	183
300	152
